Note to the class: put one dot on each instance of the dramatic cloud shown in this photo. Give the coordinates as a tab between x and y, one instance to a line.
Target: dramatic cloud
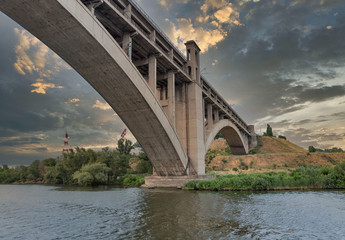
41	86
34	57
185	31
102	106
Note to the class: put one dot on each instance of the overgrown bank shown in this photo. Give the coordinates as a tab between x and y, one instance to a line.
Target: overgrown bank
84	167
312	177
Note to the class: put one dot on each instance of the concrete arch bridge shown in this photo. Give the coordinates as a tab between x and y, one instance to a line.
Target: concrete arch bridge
172	110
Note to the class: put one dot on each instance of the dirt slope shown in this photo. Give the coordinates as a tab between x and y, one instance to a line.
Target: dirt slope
275	154
278	145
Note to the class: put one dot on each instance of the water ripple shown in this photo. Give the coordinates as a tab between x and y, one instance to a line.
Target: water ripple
43	212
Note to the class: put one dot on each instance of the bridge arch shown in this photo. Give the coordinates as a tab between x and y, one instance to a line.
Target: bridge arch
237	143
71	31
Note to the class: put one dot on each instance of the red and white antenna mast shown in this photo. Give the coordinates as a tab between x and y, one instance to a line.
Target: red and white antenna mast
65	148
123	134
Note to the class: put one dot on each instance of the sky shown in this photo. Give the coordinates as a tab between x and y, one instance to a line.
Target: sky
276	62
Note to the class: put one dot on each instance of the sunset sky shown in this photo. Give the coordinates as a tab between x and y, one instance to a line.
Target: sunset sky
278	62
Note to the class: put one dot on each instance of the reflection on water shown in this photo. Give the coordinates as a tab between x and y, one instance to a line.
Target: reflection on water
46	212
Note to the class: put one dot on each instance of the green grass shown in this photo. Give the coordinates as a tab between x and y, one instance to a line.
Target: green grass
321	177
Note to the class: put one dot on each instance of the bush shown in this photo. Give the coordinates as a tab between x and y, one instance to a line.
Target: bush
283	137
303	176
243	165
131	180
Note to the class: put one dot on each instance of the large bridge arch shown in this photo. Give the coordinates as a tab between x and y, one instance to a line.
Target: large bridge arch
237	143
71	31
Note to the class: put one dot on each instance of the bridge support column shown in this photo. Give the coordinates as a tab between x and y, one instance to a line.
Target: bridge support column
152	80
181	113
216	115
195	118
209	118
171	97
127	45
196	146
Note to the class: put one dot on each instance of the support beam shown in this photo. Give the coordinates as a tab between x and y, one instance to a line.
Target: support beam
153	35
216	115
181	114
153	73
128	11
209	117
171	97
127	45
92	6
141	62
171	54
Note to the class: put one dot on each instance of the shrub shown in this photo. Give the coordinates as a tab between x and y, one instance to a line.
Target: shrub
312	176
243	165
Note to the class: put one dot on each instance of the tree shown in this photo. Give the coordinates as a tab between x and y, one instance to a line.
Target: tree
219	135
269	131
311	149
49	162
124	146
137	145
90	174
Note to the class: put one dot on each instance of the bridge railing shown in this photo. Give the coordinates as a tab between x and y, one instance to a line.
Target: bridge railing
222	104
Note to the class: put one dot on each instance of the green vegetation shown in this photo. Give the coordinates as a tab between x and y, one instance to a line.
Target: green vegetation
330	150
311	149
283	137
243	165
83	167
269	131
322	177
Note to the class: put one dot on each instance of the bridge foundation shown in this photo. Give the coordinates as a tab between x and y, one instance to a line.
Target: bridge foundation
172	181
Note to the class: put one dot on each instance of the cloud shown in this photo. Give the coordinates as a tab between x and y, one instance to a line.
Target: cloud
185	30
33	57
19	140
228	14
73	100
213	4
168	3
24	63
41	86
208	28
215	61
102	106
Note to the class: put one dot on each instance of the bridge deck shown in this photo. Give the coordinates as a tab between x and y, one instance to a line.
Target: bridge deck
148	39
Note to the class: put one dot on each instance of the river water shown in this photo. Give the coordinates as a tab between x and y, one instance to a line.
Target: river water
49	212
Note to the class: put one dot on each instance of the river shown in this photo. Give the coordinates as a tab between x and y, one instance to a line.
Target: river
49	212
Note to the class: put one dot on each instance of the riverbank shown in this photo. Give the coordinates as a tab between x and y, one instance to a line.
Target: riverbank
123	181
303	178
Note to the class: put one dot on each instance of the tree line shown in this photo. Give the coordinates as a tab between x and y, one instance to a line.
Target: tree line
82	166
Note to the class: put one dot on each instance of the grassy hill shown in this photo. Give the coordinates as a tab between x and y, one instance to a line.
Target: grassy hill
272	154
277	145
